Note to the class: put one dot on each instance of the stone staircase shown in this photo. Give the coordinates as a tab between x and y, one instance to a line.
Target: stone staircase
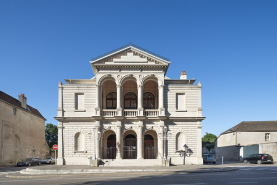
130	162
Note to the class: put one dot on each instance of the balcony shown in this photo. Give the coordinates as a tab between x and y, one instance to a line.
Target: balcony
130	113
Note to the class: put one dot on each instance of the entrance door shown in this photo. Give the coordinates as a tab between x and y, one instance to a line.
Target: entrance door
111	149
130	147
149	147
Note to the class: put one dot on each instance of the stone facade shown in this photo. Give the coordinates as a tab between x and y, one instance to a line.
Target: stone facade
130	110
22	130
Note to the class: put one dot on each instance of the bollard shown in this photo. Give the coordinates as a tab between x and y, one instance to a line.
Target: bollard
89	160
222	160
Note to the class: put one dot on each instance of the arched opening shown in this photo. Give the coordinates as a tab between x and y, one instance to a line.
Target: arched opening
109	145
130	146
180	141
79	141
108	96
150	94
148	100
150	145
129	93
111	148
111	100
130	101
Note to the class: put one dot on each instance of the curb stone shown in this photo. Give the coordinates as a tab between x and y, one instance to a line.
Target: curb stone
77	172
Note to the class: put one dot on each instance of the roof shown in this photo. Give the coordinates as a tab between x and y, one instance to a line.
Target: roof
253	126
128	45
11	100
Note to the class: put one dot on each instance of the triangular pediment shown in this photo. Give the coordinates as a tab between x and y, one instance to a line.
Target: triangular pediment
130	54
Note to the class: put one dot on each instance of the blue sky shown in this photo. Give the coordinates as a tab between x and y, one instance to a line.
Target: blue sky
230	46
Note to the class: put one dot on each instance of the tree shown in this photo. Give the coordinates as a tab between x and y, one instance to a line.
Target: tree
51	134
209	141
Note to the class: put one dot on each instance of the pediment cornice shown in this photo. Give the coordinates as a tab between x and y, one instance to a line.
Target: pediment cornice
130	56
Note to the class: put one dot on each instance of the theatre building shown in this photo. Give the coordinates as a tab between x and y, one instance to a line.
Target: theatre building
130	113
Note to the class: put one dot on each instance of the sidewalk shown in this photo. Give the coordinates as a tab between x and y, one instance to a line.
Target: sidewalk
70	170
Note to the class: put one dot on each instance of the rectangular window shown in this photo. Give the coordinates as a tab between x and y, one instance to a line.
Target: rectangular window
180	102
14	111
79	102
267	136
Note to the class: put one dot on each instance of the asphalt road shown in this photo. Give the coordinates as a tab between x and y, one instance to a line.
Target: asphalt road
246	174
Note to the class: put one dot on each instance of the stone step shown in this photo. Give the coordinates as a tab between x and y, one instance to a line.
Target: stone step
130	162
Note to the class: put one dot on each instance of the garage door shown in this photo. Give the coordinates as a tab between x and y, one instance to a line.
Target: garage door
248	150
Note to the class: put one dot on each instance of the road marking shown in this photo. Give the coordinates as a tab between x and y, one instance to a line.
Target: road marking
243	182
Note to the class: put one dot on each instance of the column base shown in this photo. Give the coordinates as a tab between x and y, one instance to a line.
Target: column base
60	161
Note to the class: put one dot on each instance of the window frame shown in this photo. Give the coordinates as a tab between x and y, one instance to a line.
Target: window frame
111	99
129	99
267	136
148	99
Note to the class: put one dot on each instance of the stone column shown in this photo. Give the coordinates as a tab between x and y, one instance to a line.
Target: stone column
119	100
98	100
118	140
140	100
60	101
161	100
60	144
199	143
160	140
97	139
140	140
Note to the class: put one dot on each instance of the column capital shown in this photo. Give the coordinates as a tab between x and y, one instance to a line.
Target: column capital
161	86
139	86
118	86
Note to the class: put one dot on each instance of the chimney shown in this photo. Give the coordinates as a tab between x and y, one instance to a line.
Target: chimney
183	75
23	101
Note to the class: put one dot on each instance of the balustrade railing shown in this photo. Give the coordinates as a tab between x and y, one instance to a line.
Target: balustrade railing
108	113
130	113
151	112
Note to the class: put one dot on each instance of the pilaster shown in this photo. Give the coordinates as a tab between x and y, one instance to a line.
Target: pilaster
199	143
98	100
60	159
161	100
60	101
160	140
97	139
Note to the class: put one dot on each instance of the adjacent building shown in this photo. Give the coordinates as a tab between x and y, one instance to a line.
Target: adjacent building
130	113
247	137
22	130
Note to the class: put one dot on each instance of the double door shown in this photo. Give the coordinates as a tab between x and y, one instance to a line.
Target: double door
149	149
130	148
111	149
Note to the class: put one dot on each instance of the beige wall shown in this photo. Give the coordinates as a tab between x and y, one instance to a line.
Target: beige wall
245	138
21	135
226	140
250	138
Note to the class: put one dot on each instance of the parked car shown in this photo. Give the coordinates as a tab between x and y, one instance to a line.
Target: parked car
259	159
29	162
209	158
48	160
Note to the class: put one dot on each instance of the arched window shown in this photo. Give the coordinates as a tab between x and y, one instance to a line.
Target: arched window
180	141
148	101
130	101
111	100
79	141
